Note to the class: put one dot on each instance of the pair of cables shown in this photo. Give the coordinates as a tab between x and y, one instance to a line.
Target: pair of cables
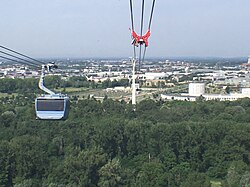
14	56
141	40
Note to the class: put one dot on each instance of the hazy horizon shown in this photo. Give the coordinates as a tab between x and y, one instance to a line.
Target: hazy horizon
100	29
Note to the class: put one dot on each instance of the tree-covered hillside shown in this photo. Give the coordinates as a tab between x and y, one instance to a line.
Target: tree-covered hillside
106	144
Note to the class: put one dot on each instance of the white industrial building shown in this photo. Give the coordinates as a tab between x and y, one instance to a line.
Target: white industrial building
198	89
153	76
181	97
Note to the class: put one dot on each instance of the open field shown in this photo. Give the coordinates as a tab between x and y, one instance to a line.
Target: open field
8	95
116	95
71	90
215	184
99	94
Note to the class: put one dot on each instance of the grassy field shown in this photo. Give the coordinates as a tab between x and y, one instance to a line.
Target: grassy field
215	184
101	93
72	90
9	95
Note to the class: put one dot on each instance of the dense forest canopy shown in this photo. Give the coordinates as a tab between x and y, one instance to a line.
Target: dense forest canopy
110	144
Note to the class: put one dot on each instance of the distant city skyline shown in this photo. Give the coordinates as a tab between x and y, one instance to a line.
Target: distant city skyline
97	28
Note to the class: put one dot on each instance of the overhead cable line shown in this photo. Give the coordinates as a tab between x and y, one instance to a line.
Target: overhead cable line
131	14
35	61
151	15
132	23
13	60
142	16
24	61
141	39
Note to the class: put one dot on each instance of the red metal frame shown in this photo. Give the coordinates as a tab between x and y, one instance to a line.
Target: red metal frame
140	40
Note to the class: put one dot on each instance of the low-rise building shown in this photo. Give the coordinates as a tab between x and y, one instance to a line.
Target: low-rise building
197	90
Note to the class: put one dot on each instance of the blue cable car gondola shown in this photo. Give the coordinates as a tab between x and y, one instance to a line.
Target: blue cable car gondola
51	106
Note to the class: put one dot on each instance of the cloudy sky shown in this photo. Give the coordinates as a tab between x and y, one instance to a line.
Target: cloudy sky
100	28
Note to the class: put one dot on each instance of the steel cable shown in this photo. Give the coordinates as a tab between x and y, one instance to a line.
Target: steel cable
13	60
13	51
26	61
151	15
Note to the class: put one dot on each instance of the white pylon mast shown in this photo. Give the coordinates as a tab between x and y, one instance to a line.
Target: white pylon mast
133	82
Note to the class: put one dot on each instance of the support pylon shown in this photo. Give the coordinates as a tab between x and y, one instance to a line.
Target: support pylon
133	82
